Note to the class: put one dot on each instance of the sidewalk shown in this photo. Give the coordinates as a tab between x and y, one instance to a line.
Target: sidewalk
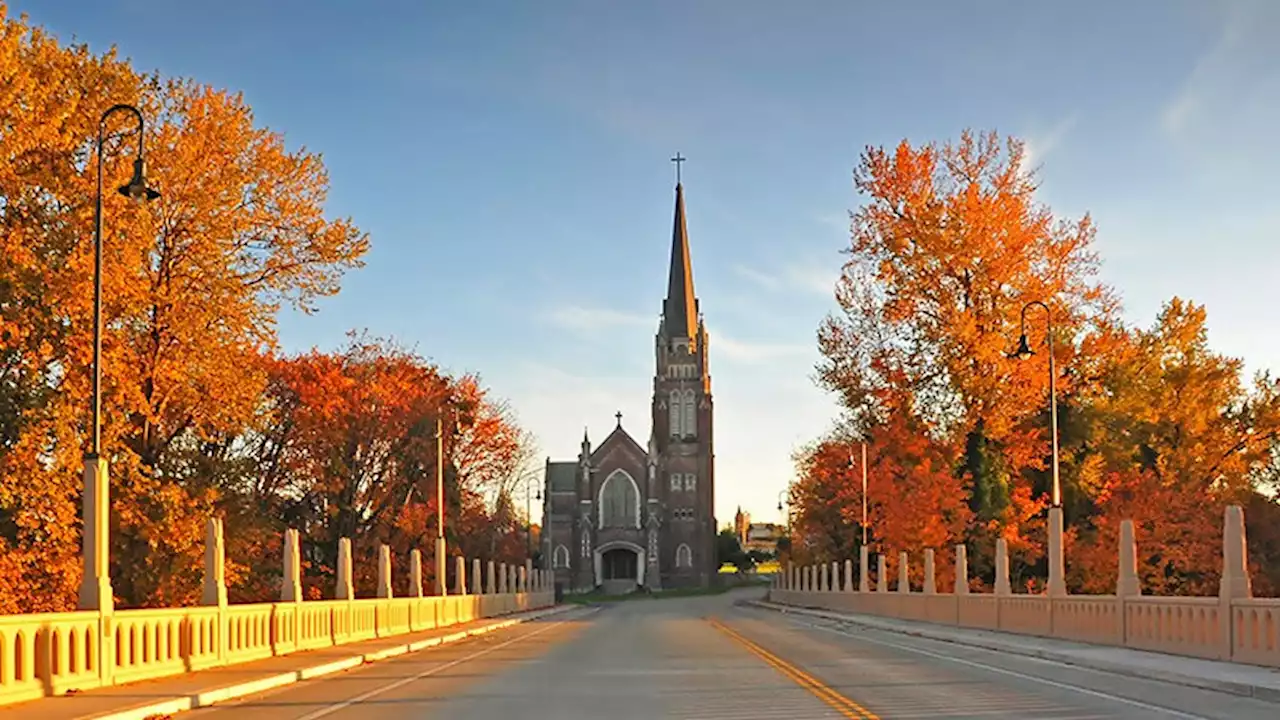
140	700
1234	678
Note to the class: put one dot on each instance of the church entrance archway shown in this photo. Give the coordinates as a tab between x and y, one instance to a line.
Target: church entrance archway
619	567
620	564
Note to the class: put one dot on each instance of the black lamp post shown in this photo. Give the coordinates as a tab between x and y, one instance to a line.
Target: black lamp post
1023	352
136	189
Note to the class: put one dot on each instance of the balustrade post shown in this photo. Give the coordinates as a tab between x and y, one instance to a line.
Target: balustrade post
864	569
291	582
415	573
1057	572
848	575
476	579
882	573
930	588
214	591
384	572
1002	568
962	570
491	580
904	580
460	575
1234	583
502	578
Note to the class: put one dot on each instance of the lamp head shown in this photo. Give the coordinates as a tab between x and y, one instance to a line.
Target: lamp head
137	188
779	507
1024	350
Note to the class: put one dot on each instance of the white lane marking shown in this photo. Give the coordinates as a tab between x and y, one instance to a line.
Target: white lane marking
329	710
1011	673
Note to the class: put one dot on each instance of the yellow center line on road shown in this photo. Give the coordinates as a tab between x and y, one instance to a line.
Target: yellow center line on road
821	690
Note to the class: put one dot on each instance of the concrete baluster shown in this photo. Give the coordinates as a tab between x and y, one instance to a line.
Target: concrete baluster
930	587
882	574
384	572
864	569
415	573
344	590
291	584
460	575
1002	567
491	579
214	591
1127	584
904	580
502	578
1057	577
835	576
962	570
476	587
848	576
822	578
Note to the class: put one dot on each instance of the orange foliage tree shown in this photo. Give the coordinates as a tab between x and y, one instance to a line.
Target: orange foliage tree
200	414
947	249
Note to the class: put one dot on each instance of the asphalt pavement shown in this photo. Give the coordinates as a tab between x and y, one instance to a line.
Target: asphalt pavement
706	658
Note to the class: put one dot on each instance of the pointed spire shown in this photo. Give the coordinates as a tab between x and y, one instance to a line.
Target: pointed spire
680	309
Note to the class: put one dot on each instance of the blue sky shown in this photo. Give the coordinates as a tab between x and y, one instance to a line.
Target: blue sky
510	161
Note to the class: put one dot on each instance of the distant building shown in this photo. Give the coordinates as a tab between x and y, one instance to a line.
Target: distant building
763	537
741	523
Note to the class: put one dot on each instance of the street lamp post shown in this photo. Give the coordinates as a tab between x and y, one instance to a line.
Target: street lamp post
441	565
787	502
864	490
95	586
1057	578
1023	352
528	513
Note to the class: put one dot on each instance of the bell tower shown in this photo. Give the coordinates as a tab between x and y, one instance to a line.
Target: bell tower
682	422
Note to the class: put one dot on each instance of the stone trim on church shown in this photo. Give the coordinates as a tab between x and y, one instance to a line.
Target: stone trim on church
623	516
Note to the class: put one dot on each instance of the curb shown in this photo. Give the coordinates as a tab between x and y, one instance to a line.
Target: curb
1258	692
162	708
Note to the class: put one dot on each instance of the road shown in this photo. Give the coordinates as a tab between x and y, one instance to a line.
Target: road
708	658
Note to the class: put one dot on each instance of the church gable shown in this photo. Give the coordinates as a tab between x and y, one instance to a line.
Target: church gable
619	449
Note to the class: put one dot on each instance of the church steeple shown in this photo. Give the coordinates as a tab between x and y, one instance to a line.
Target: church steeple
680	309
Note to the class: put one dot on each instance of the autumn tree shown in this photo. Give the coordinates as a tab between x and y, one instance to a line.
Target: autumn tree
948	247
192	285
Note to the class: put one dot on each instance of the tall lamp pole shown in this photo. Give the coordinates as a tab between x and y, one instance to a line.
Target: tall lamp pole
95	586
1023	352
864	489
787	502
441	565
1057	571
528	513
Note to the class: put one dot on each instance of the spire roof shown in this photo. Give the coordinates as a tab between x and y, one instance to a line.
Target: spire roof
680	309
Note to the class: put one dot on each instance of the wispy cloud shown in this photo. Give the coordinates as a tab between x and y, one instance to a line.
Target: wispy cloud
1039	146
763	279
588	319
806	277
1234	86
756	353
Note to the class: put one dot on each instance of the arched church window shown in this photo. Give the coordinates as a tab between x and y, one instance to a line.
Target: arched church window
674	413
684	556
690	482
619	501
560	558
675	481
689	424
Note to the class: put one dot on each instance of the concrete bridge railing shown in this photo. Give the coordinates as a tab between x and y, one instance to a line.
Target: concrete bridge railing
1232	626
54	653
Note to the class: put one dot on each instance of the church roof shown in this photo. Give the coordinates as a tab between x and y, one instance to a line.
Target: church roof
680	309
561	476
619	435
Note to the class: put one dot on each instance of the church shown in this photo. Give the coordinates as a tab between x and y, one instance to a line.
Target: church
624	515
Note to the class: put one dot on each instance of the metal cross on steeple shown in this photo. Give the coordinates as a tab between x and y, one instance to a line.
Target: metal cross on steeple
677	160
619	416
